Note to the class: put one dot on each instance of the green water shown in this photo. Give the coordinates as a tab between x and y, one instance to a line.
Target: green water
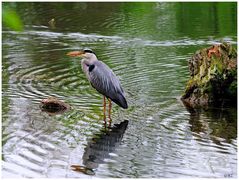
147	45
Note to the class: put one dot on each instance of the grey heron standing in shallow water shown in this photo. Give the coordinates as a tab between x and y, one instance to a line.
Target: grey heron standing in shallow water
102	78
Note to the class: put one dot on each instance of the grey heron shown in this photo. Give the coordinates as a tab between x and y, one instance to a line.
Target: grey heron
102	78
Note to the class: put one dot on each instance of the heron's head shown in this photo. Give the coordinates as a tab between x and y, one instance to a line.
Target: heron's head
85	54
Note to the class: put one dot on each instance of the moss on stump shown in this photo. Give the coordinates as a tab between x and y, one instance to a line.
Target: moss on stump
213	78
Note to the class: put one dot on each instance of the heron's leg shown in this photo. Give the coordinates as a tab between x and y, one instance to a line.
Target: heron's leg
110	106
104	110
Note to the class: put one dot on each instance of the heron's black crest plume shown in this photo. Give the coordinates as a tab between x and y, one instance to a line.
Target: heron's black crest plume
88	51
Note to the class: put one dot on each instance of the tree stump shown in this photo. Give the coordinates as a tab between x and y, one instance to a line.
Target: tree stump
213	77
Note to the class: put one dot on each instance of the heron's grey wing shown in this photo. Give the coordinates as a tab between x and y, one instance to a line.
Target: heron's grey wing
105	81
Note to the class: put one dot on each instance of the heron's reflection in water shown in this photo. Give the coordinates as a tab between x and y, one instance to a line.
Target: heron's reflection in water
99	147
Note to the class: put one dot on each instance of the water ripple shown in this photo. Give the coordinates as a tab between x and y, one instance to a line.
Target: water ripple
121	40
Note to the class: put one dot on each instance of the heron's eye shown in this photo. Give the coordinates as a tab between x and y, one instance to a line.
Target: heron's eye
91	67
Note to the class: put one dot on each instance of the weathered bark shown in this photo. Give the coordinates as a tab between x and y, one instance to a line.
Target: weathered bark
213	78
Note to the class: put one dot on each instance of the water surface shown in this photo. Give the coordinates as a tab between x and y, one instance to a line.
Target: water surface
147	45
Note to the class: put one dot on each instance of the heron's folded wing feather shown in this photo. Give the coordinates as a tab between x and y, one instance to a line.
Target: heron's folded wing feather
107	83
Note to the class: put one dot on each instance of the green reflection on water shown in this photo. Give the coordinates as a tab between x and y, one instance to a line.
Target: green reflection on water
206	19
149	19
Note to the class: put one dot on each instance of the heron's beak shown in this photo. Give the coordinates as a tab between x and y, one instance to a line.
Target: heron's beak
76	54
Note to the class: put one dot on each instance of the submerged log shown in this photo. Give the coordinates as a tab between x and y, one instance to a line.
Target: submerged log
213	77
53	106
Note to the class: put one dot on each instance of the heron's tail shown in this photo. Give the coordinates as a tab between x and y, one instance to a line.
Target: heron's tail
121	101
